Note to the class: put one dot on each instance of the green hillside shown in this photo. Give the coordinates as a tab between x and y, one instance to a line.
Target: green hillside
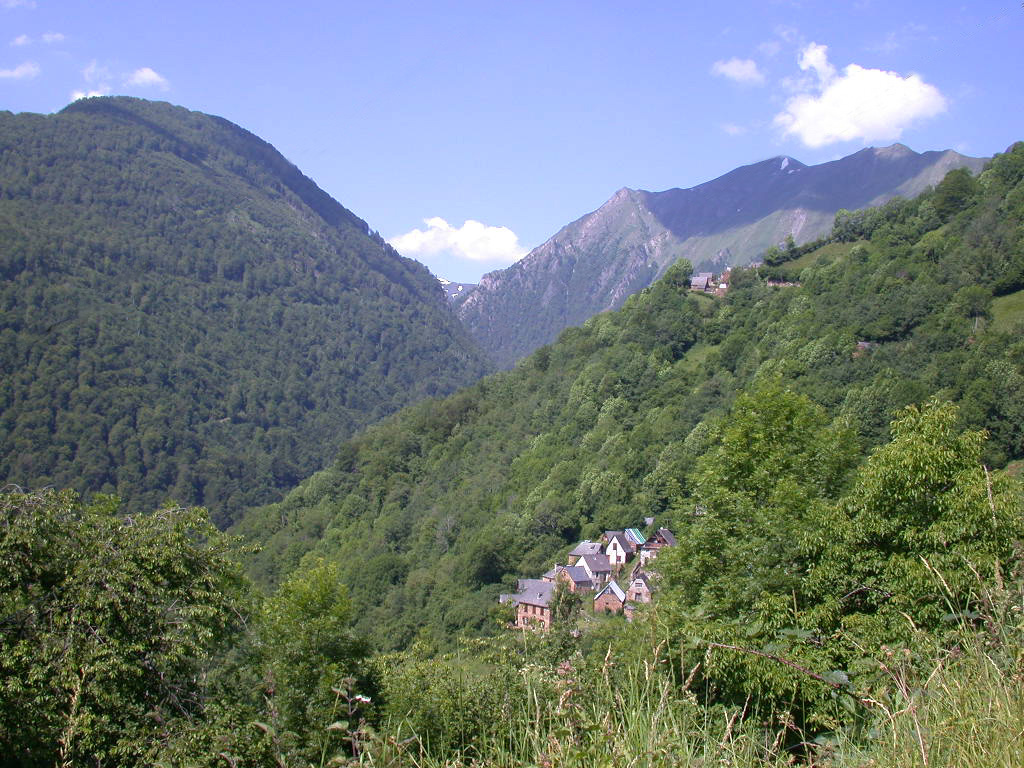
187	316
844	588
434	512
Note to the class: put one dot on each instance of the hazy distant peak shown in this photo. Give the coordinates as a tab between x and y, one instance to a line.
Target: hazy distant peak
894	151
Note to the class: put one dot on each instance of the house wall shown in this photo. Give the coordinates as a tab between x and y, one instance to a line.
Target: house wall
639	594
616	555
607	601
532	615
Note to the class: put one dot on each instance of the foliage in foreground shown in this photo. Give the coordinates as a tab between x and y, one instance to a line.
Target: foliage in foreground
131	641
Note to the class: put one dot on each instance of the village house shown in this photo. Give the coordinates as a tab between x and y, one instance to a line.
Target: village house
575	577
597	568
702	281
639	590
634	535
533	603
611	599
618	547
659	539
585	547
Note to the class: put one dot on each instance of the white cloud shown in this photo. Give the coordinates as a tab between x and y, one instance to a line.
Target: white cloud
94	72
473	241
9	4
147	78
770	48
101	91
53	37
733	130
815	57
21	40
21	72
860	103
740	70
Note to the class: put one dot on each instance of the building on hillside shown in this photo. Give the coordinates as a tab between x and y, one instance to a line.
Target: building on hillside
660	539
702	281
723	283
634	535
585	547
533	603
639	589
618	547
597	568
575	577
611	599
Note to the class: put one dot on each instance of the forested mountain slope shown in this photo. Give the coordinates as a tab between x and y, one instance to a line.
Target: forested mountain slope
432	513
186	315
594	263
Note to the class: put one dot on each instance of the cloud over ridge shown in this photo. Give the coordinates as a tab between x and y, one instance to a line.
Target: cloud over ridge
473	241
147	78
859	103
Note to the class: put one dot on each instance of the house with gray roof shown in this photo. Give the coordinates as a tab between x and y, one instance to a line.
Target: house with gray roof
597	568
533	603
660	539
585	547
575	577
619	547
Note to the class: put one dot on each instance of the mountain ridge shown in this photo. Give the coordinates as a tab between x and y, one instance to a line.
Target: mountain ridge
593	263
188	316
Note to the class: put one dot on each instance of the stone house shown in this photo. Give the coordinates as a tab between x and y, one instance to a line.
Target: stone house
533	603
660	539
610	599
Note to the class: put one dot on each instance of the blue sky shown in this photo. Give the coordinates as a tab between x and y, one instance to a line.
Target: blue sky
470	132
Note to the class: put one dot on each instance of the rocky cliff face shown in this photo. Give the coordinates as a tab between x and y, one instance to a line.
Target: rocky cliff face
596	262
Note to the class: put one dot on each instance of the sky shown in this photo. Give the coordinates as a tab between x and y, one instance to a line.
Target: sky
468	133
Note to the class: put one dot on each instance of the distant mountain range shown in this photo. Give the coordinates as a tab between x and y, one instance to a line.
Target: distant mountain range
187	316
596	262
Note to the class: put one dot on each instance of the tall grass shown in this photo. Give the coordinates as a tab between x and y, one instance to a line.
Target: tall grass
963	707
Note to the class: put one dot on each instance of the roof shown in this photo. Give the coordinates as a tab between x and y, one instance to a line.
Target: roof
667	535
552	573
615	589
641	576
700	280
596	563
635	536
587	547
533	592
627	544
576	572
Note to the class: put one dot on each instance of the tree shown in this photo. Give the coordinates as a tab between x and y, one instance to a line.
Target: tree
310	658
565	604
917	536
108	625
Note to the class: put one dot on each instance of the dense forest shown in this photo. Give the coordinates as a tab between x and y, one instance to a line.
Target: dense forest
187	316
